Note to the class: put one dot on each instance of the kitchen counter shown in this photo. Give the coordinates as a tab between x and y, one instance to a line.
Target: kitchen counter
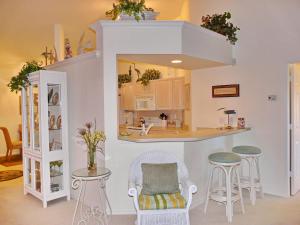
177	135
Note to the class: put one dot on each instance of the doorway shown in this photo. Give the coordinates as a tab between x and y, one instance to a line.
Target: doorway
294	128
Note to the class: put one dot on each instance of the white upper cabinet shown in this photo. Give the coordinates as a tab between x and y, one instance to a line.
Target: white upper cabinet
178	95
141	90
169	94
163	94
128	97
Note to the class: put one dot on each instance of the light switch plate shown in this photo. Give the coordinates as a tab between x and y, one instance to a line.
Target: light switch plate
272	97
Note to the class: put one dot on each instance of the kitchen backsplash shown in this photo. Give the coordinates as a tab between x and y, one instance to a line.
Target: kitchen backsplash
132	118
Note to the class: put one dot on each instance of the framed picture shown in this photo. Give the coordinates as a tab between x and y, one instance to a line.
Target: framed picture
230	90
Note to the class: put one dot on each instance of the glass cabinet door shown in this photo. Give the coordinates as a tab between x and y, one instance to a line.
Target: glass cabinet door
37	176
35	98
27	172
54	117
26	115
56	176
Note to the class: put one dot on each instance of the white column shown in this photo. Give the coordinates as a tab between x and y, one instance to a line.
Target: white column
59	41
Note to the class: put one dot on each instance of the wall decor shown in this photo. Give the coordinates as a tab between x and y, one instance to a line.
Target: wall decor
230	90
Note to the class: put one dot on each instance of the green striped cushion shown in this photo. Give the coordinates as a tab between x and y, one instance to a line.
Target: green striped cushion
161	201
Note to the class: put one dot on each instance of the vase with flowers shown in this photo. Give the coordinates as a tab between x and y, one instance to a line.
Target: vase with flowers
94	140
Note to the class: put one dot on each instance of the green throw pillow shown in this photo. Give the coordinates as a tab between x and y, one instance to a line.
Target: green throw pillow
160	178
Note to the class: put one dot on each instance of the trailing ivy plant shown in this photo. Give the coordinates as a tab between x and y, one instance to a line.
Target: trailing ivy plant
149	74
21	80
219	23
123	78
134	8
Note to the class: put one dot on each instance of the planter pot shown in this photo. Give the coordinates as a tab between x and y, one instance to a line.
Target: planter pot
148	16
164	123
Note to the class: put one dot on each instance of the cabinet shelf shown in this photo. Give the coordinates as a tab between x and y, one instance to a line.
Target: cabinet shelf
51	105
55	173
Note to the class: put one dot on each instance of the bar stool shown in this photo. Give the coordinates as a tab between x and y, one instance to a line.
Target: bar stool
251	155
227	163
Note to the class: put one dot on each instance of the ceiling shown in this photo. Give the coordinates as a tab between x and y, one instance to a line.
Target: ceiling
26	27
188	62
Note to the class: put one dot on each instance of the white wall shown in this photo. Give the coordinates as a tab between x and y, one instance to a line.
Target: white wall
268	41
196	159
9	115
120	153
85	101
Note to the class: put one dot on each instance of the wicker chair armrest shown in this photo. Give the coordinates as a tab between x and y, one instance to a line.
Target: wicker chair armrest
188	189
132	189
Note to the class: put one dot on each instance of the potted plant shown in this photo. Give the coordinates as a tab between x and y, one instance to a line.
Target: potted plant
149	74
123	78
93	140
130	10
21	80
164	119
219	23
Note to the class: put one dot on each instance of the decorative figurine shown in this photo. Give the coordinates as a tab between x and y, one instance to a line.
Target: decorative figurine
138	72
51	57
68	51
46	54
84	47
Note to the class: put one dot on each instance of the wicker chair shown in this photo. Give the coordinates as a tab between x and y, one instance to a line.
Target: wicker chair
179	216
10	146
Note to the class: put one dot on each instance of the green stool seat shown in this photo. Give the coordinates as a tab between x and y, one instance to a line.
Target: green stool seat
246	150
224	157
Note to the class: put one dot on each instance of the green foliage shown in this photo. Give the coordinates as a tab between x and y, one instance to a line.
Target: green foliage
123	78
129	7
21	80
219	24
149	74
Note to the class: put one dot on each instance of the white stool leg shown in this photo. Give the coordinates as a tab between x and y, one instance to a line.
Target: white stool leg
252	184
259	178
240	189
220	181
228	192
208	189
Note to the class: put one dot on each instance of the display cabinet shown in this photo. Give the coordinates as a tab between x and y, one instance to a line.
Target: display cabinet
45	136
